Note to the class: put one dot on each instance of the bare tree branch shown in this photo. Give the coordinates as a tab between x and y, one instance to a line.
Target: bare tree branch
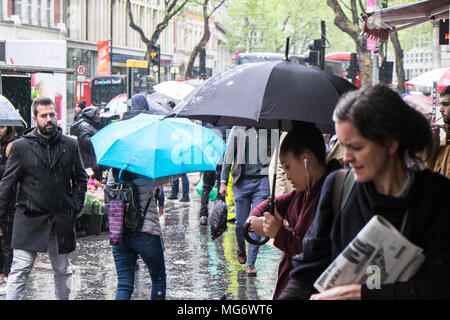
342	21
361	6
345	5
353	30
354	11
215	8
171	10
136	27
205	37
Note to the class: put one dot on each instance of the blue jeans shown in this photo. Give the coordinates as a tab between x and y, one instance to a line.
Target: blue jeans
150	249
247	194
176	186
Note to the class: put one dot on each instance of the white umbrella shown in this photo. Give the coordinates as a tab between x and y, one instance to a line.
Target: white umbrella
9	116
441	76
118	104
174	89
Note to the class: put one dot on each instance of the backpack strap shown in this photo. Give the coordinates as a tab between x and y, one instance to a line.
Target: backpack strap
147	205
343	185
135	190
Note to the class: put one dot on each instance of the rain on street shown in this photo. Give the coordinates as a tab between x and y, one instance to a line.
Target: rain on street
197	267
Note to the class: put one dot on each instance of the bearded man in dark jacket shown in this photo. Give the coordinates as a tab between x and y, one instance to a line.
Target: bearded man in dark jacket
47	169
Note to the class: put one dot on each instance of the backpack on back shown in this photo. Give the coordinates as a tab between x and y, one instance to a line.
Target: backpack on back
124	214
343	185
74	127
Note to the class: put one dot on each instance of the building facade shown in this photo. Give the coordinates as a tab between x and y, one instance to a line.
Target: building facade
82	23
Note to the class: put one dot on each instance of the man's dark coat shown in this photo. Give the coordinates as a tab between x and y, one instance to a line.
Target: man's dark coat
50	192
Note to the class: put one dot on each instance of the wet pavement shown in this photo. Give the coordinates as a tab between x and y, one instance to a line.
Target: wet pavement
197	267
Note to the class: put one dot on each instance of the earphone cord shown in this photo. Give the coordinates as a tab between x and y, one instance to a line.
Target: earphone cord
307	181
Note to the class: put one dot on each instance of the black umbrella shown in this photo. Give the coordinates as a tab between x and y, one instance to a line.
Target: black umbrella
266	95
9	116
272	95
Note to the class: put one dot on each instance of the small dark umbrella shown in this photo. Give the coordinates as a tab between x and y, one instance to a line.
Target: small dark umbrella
161	98
277	95
9	116
156	108
153	107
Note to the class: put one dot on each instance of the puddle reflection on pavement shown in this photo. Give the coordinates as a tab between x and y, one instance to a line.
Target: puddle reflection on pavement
197	267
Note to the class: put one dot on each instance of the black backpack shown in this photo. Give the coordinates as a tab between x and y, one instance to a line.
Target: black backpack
74	127
128	194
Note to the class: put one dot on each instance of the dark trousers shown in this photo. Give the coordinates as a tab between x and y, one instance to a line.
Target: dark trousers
176	186
6	253
210	178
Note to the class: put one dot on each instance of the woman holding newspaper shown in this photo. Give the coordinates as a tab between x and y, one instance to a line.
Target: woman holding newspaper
381	134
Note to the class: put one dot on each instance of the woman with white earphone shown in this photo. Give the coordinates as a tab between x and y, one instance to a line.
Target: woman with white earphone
302	154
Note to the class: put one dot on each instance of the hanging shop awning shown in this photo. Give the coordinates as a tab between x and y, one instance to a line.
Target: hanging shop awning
379	23
20	69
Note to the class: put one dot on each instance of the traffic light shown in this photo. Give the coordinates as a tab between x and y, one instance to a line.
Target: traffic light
202	63
444	34
315	53
386	70
155	53
353	68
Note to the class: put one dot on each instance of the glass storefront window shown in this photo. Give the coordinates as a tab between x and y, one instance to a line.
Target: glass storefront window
75	57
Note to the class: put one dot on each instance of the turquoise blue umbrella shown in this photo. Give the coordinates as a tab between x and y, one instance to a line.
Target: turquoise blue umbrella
157	147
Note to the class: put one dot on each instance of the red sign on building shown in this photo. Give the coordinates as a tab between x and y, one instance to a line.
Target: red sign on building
103	66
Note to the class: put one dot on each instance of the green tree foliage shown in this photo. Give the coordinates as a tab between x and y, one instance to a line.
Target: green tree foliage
264	25
256	25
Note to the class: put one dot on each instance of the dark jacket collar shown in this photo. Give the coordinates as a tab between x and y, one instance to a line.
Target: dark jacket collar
50	157
34	135
376	203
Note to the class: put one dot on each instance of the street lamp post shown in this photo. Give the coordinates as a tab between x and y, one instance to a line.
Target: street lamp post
376	54
111	36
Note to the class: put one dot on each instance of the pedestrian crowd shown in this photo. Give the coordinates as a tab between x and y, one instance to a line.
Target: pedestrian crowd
393	155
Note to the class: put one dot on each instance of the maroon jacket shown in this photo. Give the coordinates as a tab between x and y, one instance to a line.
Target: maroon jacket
298	210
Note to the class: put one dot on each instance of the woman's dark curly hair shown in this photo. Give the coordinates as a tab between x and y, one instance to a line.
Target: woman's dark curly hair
381	115
10	134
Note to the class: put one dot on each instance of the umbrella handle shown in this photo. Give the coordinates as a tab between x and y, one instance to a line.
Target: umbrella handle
246	231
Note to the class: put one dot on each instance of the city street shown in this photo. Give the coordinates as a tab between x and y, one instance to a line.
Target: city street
197	267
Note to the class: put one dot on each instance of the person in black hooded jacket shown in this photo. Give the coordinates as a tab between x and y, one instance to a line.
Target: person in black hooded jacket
136	105
47	169
379	131
86	129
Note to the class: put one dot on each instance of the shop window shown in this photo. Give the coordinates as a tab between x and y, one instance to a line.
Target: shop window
17	7
48	13
13	7
57	11
30	11
39	12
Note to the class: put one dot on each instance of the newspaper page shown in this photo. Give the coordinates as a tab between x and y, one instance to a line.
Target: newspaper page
379	246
